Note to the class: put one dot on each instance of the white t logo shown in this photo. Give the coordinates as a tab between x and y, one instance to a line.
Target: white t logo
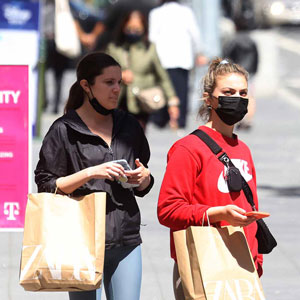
11	209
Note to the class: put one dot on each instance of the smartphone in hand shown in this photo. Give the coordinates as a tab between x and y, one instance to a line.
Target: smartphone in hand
257	214
123	180
123	163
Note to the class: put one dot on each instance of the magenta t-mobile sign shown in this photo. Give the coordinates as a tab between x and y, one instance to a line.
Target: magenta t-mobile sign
14	146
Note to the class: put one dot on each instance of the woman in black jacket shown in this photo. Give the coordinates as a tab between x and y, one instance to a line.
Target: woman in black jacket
77	158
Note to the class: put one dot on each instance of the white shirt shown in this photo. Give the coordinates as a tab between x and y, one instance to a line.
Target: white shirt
174	30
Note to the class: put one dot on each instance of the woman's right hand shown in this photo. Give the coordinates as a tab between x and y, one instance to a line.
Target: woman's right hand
70	183
109	170
232	214
127	76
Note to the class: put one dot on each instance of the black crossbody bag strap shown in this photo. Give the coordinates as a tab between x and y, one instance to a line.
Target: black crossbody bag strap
266	241
216	149
213	146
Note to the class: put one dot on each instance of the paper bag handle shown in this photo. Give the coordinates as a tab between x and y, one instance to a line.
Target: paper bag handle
62	193
203	218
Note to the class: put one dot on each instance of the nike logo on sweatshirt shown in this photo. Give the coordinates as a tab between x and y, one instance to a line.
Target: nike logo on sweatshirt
242	165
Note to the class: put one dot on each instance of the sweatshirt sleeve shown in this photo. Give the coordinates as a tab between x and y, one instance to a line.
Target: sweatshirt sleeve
176	206
52	162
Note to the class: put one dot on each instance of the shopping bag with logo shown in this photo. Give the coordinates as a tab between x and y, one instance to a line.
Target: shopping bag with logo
63	243
188	267
221	258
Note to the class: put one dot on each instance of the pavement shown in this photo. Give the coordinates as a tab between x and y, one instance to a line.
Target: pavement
274	142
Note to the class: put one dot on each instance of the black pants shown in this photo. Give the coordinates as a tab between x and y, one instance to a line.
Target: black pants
179	78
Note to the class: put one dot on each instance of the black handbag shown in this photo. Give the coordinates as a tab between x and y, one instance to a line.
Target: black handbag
236	183
266	241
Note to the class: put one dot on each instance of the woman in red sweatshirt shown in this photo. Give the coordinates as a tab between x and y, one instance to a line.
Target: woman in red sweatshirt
194	181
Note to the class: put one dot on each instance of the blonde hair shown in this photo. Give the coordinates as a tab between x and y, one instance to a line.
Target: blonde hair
218	67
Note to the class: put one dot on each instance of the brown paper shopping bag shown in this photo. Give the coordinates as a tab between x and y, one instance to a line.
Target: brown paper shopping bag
188	267
63	243
220	264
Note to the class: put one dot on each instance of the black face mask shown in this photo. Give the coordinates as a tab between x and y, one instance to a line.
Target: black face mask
98	107
133	37
231	109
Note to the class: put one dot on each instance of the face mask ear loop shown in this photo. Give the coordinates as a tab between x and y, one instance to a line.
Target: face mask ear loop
91	93
219	105
88	93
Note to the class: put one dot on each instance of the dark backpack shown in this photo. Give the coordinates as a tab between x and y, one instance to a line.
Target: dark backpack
242	50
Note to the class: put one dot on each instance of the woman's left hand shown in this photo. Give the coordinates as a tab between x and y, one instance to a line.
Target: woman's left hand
140	176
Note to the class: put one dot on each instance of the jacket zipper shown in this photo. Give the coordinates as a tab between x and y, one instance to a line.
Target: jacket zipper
110	151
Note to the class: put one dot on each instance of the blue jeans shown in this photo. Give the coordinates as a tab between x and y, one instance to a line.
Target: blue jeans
122	276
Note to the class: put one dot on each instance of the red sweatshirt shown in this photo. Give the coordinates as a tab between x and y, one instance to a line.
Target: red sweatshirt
194	181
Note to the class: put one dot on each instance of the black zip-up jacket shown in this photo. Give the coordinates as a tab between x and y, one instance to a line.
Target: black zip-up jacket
70	146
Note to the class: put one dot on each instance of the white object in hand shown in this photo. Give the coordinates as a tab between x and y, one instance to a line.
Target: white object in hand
123	178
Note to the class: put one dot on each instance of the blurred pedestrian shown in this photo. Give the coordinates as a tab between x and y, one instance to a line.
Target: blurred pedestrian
141	66
116	10
77	157
90	22
174	30
242	50
54	60
241	12
195	183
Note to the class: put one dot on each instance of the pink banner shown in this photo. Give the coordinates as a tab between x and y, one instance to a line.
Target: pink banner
14	146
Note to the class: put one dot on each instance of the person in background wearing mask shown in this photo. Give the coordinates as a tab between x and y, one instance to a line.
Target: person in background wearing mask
194	183
141	66
174	30
78	158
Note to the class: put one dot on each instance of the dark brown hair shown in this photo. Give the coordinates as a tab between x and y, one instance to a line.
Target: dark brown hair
88	68
119	36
